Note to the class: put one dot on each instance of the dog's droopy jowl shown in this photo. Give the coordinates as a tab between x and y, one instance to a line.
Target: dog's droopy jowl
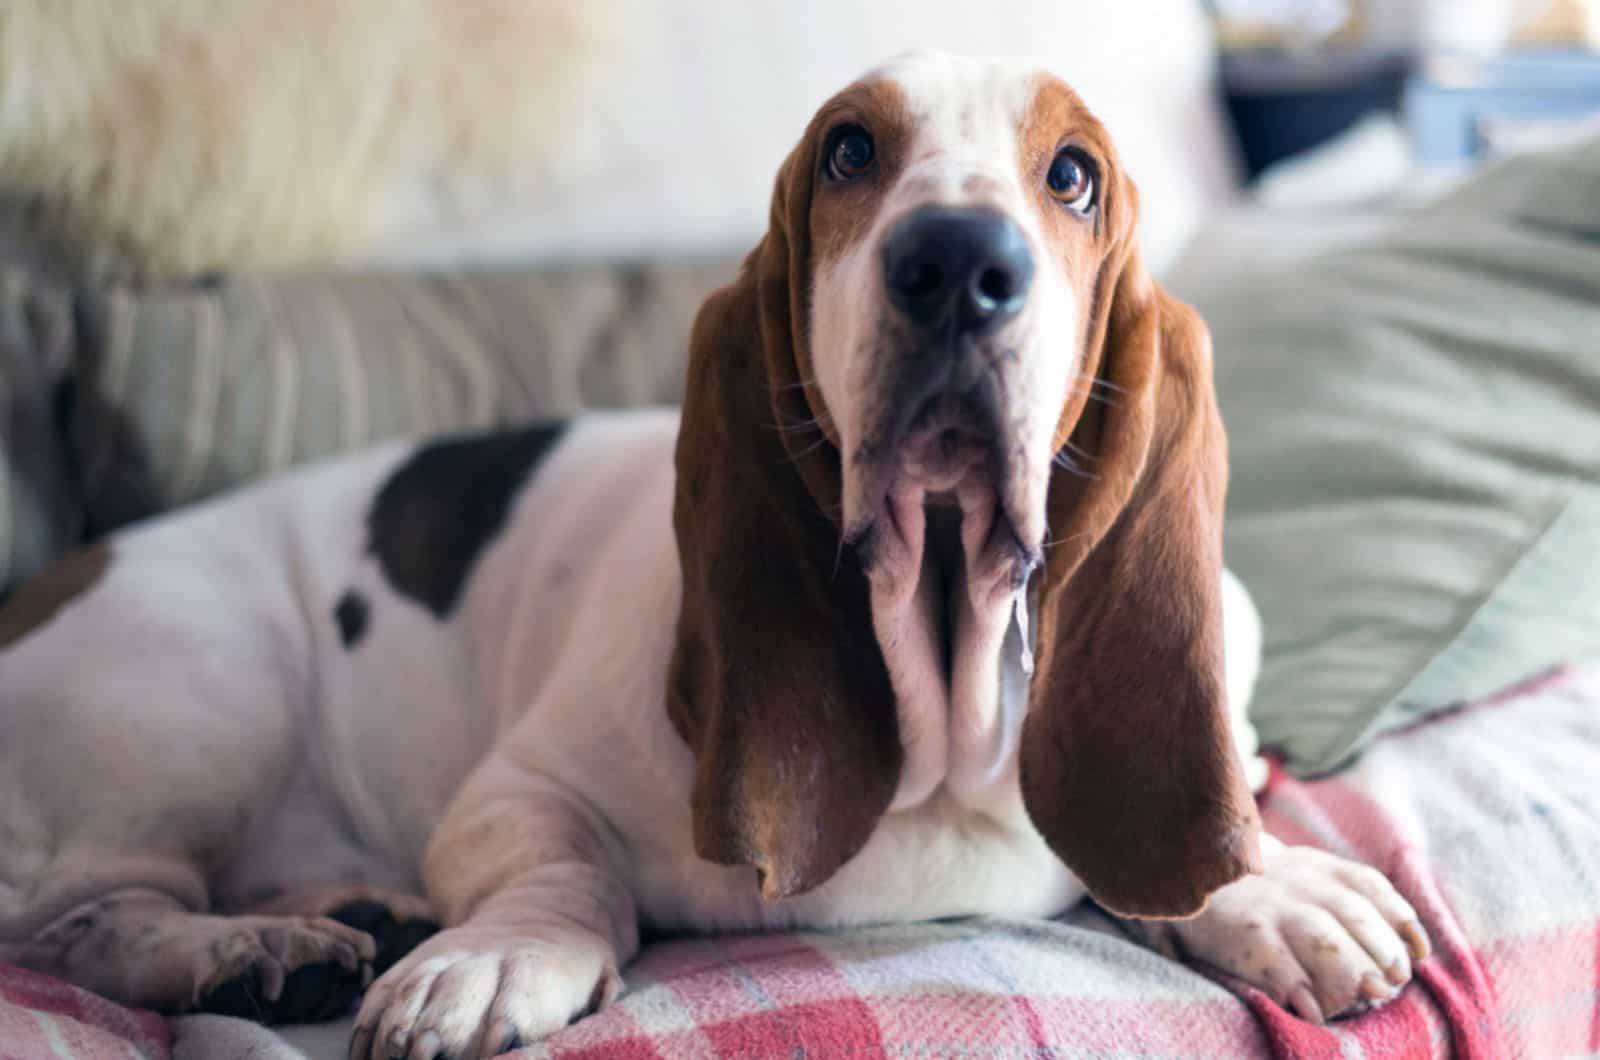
917	609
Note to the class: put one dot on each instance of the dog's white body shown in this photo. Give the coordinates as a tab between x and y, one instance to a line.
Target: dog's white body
297	761
291	761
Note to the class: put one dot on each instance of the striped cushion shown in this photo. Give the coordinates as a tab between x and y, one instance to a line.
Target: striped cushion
185	391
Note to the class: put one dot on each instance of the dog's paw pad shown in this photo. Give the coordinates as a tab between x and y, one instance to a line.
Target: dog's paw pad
395	931
309	994
284	969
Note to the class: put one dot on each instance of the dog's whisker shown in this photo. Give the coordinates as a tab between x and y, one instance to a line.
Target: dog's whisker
795	458
1101	399
1079	451
1100	382
1064	461
1064	540
1098	389
1088	386
797	427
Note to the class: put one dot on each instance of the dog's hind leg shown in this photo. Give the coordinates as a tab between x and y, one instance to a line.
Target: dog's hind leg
129	784
142	947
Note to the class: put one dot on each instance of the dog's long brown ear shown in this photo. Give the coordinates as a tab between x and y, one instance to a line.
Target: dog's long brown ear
777	682
1128	768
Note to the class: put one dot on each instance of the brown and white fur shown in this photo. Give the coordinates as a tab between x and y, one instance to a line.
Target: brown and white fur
898	620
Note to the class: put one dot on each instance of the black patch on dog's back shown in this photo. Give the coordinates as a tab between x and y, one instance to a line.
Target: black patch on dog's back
441	508
352	613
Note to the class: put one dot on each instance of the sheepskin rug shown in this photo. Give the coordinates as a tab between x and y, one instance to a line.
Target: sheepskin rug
195	134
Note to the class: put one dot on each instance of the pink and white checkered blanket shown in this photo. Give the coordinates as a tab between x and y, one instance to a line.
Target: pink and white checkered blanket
43	1019
1488	820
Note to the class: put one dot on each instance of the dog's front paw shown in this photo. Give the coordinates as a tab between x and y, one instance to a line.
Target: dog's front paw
1320	935
470	993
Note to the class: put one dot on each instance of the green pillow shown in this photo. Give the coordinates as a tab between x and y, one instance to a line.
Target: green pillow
1414	427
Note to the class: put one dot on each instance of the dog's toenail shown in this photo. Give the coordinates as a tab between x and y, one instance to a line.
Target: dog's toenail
1304	1003
1416	940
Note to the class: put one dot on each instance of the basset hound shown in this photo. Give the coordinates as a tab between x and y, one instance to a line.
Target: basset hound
917	610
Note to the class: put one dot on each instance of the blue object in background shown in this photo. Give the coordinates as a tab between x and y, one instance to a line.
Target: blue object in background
1456	107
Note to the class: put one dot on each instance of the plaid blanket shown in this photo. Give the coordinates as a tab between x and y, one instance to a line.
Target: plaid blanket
43	1018
1487	819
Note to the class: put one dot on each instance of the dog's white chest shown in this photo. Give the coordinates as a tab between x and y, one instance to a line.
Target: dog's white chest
943	859
937	859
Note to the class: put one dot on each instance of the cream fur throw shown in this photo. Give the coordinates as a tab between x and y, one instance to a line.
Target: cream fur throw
196	134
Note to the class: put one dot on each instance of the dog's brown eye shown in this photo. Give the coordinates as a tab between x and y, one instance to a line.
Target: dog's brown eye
1071	180
850	152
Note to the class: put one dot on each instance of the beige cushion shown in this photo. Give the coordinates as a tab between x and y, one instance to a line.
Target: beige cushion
185	391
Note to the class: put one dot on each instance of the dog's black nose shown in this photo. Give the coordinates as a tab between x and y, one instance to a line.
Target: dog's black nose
962	268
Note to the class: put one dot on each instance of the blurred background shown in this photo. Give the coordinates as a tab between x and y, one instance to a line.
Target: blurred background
172	138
